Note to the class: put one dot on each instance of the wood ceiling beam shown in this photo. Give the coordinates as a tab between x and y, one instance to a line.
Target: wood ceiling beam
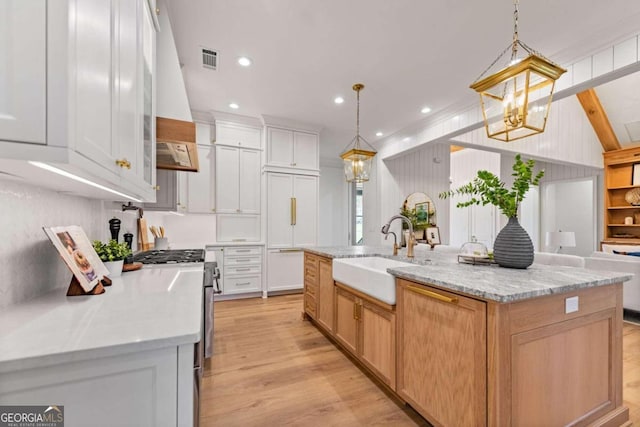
598	119
455	148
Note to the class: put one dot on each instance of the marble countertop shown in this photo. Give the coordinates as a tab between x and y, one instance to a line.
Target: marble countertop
144	309
488	282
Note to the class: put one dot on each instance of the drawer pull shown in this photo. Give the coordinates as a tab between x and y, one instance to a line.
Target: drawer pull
243	284
433	295
243	260
289	250
238	240
243	250
243	269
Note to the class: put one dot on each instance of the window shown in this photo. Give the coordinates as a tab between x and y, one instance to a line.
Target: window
357	225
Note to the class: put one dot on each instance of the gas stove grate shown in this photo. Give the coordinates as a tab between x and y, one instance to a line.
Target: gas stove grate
170	256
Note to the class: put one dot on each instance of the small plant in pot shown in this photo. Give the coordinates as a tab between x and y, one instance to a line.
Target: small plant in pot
112	255
513	247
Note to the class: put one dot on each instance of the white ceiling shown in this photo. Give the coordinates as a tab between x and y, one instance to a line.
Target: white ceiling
408	53
620	100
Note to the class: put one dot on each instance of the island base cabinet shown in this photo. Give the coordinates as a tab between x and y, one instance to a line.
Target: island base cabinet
441	348
367	330
326	293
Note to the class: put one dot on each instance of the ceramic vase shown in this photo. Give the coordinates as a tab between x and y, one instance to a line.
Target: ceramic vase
513	247
114	267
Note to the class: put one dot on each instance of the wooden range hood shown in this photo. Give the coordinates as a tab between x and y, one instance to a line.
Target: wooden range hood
176	145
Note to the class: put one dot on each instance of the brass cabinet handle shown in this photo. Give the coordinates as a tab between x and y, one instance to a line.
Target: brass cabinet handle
123	163
355	311
433	295
290	250
156	187
293	211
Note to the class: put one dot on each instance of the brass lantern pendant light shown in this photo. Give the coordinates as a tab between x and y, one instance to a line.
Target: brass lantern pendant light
358	155
516	99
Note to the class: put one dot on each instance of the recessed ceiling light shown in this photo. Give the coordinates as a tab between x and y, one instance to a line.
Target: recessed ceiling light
379	134
244	61
406	139
339	100
425	110
234	106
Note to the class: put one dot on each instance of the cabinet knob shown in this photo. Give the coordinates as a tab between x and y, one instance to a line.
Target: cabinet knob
156	187
157	11
293	164
238	210
123	163
213	210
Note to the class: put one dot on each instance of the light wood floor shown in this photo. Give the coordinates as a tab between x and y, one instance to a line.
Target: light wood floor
271	368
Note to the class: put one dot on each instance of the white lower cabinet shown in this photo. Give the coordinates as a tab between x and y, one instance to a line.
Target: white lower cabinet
240	269
285	269
144	388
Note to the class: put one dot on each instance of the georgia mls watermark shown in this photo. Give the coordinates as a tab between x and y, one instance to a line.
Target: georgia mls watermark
32	416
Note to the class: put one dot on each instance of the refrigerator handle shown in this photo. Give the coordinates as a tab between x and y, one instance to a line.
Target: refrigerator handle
293	211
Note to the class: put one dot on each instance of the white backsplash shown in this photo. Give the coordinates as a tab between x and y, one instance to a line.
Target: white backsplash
30	263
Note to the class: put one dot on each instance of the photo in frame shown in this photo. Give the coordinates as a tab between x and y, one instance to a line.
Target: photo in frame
635	180
433	235
422	213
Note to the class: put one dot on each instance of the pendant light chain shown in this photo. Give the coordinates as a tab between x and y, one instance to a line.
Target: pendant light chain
514	49
358	118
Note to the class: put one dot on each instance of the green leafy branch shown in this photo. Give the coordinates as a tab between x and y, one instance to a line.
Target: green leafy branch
487	188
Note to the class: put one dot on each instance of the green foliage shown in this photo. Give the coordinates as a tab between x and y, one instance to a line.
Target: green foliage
487	188
413	217
112	251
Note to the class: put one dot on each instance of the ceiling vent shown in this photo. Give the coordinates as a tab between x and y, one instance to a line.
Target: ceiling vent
210	59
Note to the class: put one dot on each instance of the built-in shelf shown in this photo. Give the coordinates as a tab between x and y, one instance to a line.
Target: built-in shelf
622	207
624	187
623	225
622	240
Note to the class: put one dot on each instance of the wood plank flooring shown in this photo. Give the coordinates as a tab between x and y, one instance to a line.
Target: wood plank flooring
271	368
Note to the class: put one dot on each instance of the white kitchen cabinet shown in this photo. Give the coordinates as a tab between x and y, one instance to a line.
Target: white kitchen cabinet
292	223
238	228
199	185
203	133
292	149
23	104
166	195
237	135
285	269
292	210
237	180
84	97
139	388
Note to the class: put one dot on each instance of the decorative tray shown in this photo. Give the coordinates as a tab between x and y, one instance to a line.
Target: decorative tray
475	259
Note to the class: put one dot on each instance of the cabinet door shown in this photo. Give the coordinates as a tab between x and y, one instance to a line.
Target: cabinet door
279	210
249	192
279	147
326	299
94	82
23	55
305	191
346	331
305	150
285	270
167	193
147	70
200	185
237	136
378	341
442	343
127	125
227	180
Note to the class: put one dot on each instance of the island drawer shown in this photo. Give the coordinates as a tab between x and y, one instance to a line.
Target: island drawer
310	287
535	313
242	260
310	306
242	270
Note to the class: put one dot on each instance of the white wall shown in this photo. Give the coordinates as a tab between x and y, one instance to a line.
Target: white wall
30	264
334	203
426	171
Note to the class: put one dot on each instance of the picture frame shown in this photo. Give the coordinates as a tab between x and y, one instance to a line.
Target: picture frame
422	212
635	179
433	236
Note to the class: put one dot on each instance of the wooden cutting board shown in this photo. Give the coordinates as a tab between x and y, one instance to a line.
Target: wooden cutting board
143	237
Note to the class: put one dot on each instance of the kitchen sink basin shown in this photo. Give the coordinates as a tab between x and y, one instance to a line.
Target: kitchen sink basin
369	276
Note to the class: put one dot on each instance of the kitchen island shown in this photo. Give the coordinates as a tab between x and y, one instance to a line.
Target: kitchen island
473	345
125	357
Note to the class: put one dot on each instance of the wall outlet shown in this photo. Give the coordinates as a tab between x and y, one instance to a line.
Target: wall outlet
571	305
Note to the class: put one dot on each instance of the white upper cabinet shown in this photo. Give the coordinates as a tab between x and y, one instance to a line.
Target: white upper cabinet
199	185
237	180
293	150
237	135
23	78
78	79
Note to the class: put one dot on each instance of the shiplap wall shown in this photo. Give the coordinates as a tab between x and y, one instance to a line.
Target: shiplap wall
426	170
568	137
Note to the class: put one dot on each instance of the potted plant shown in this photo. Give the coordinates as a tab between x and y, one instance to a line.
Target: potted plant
513	247
112	255
417	223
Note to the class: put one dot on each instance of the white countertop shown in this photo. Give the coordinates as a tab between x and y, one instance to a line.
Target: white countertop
144	309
